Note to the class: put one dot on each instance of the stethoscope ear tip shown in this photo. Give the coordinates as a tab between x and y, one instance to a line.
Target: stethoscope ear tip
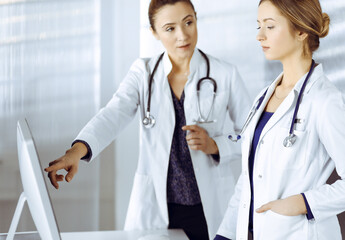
238	137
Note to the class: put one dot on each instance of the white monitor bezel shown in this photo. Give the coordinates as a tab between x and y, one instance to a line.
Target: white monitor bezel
35	189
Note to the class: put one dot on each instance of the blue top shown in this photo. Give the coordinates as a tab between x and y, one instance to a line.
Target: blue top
182	187
259	127
219	237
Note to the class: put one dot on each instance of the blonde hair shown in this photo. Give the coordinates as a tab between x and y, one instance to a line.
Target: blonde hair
305	16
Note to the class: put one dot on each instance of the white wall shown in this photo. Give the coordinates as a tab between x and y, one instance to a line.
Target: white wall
49	73
124	50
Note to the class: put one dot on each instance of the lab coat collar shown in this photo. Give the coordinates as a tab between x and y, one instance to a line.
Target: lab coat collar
290	100
317	72
285	105
193	65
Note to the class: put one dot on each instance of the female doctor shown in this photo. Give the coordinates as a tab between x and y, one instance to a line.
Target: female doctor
295	139
183	179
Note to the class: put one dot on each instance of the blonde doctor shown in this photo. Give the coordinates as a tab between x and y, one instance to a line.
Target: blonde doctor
295	139
183	178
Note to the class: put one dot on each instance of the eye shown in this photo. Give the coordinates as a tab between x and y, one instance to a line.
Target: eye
270	27
169	29
258	28
189	23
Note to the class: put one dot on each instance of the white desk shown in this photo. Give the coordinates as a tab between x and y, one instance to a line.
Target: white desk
106	235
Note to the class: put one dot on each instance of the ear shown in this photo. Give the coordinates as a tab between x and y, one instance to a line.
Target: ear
301	36
154	33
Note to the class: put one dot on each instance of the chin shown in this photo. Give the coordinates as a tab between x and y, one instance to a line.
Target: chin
270	57
186	54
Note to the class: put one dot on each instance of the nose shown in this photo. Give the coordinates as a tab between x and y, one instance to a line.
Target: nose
182	34
261	35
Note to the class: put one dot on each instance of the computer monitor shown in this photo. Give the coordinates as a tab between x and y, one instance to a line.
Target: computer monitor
35	189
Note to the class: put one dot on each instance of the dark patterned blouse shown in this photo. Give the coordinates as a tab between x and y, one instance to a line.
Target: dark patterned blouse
182	187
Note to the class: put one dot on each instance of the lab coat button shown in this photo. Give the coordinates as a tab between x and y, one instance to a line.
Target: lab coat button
260	176
244	205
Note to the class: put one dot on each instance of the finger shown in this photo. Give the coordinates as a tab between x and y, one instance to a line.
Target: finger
59	178
55	166
71	173
193	128
193	142
197	134
193	135
52	178
196	147
53	162
263	208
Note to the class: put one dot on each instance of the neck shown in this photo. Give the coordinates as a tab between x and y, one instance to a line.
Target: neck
180	65
294	69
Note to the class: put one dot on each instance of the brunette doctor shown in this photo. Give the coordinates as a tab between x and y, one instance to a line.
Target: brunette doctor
295	139
183	179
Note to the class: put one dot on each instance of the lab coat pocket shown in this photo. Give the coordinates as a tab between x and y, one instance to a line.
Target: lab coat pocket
277	226
143	211
292	157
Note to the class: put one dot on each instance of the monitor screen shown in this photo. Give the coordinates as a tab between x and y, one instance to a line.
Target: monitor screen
35	189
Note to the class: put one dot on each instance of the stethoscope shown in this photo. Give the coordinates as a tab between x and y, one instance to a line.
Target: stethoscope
290	140
149	121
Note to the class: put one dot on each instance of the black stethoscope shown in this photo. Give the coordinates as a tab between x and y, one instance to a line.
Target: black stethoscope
291	138
149	121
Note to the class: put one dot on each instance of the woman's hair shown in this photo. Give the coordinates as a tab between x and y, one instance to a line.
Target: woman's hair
155	5
305	16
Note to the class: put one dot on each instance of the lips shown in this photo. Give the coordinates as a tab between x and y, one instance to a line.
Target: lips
264	48
184	46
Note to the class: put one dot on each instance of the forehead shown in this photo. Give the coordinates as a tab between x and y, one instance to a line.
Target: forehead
267	10
173	12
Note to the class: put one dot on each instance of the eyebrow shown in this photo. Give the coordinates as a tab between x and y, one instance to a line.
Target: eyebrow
266	19
174	23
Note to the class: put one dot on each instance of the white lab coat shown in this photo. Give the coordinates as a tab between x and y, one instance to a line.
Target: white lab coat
280	172
148	203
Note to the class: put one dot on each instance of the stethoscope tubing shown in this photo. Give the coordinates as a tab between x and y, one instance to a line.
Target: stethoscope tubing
149	120
150	82
291	138
300	96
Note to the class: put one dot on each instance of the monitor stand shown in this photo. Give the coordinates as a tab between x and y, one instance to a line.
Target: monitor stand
16	216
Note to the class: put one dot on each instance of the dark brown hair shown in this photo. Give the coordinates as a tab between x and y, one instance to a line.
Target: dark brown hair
155	5
305	16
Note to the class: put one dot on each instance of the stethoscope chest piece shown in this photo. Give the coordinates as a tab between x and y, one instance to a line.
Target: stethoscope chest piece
149	121
290	140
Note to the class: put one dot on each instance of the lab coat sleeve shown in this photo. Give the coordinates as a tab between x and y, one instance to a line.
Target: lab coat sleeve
238	107
103	128
329	200
229	223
